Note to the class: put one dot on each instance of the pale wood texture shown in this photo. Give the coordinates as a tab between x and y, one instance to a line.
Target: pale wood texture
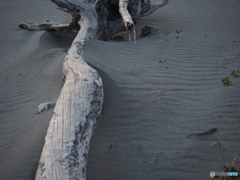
48	26
113	16
154	7
65	151
127	19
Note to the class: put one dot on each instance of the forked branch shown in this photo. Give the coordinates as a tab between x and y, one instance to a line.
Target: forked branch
113	15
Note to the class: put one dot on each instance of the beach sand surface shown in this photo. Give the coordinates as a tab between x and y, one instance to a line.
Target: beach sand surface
156	92
30	74
165	87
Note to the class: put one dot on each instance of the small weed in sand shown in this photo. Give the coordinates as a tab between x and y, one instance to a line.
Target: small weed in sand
218	143
226	82
236	74
233	58
162	61
230	168
237	41
160	94
111	146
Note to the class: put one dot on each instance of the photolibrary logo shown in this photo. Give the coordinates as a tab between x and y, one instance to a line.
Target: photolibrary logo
213	174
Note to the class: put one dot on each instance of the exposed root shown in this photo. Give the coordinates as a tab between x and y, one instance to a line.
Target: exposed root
113	16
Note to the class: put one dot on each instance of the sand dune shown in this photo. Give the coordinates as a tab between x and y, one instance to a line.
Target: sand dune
157	92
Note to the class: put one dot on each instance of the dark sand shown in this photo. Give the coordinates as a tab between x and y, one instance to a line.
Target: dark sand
30	74
149	107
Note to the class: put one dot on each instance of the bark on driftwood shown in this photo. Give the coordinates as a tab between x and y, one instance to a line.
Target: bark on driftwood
65	151
113	16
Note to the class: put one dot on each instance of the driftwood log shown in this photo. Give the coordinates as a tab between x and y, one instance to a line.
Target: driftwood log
65	152
113	16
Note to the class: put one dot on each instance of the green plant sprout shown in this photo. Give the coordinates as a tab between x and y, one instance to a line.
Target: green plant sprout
226	82
236	74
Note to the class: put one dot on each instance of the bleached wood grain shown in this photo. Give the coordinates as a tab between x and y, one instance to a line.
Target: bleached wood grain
65	151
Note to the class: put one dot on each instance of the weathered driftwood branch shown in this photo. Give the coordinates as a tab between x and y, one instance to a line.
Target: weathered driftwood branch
154	7
65	151
65	6
127	19
48	26
113	16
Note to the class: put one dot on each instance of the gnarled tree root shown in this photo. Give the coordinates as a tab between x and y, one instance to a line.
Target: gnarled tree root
113	16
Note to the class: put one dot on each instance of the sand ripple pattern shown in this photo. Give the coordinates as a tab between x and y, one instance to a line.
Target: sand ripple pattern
157	92
166	87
